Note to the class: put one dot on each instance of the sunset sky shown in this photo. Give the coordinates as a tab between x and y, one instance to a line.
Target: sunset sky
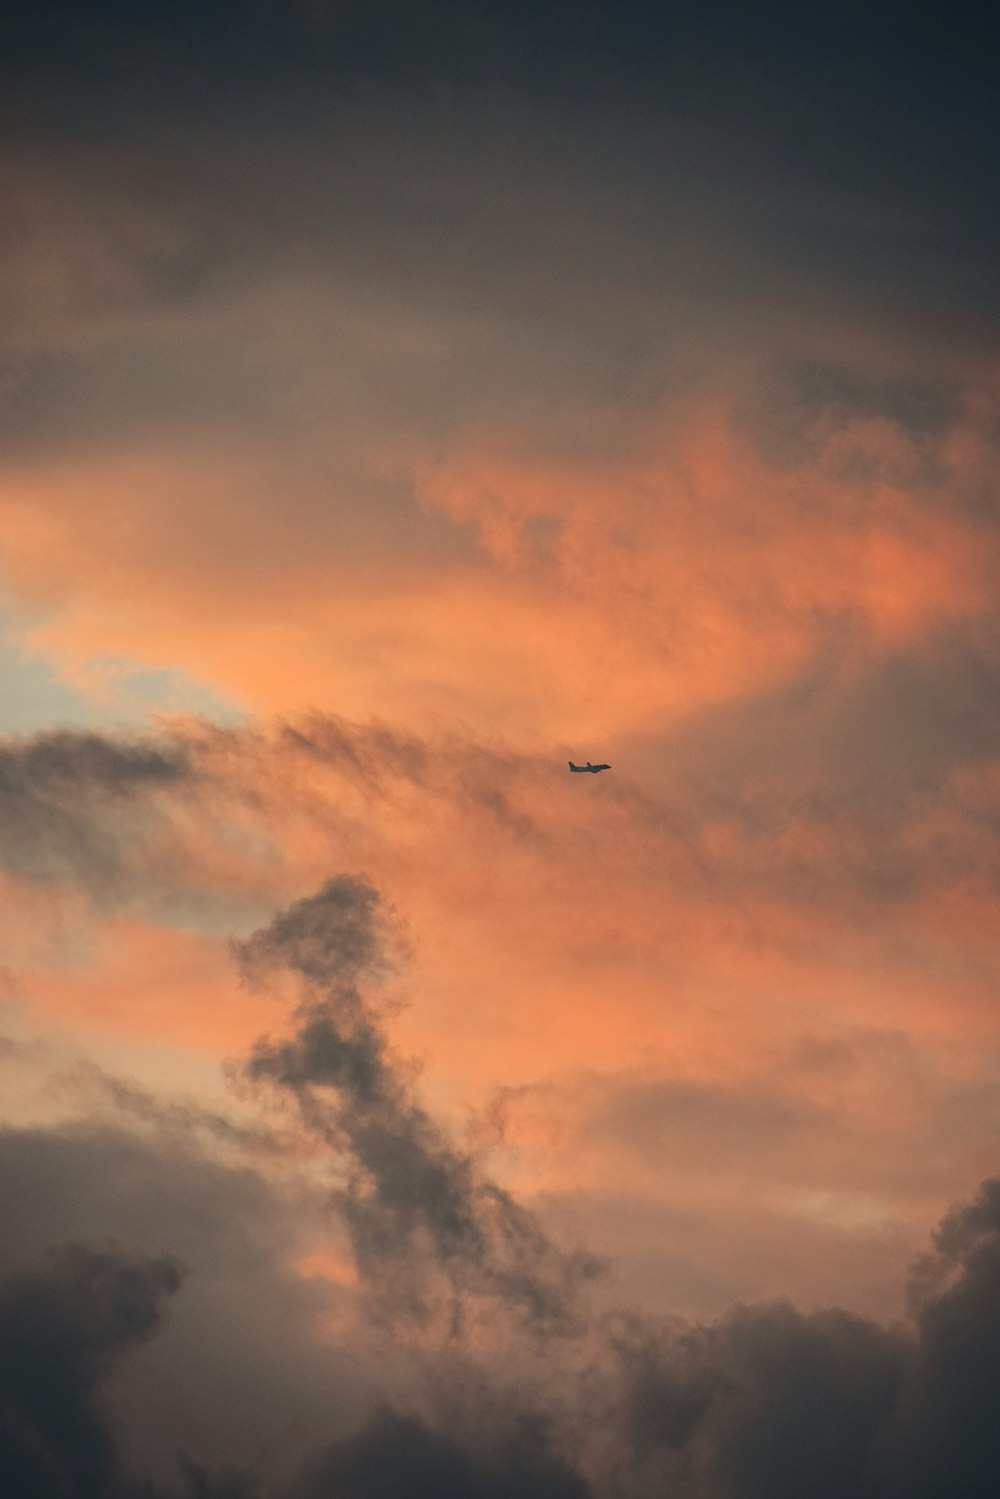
396	403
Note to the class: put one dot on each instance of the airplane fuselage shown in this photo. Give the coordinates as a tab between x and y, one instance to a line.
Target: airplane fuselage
584	769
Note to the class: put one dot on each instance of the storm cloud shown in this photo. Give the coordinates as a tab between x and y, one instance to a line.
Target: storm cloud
63	1327
239	1375
763	1403
401	1457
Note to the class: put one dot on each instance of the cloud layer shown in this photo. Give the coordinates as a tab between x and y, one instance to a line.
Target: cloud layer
765	1400
431	398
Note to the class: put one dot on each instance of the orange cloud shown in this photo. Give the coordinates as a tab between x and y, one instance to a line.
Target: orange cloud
607	596
137	981
716	903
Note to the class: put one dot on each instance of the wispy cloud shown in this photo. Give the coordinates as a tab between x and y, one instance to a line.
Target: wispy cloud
411	1200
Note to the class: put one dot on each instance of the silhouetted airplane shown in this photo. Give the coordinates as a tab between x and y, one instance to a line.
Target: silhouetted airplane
592	768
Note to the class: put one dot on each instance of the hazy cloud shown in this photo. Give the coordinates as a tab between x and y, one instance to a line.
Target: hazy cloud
72	805
767	1402
241	1373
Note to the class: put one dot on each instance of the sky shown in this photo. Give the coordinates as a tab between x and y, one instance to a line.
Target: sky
397	403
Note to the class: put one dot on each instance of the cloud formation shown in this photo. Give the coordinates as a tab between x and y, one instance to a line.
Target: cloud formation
450	391
763	1402
409	1196
72	803
63	1326
556	1399
397	1455
782	984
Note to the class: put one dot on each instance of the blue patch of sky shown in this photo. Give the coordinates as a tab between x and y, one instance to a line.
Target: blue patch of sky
112	691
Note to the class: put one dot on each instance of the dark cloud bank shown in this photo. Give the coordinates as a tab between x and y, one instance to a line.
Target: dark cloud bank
578	206
514	1389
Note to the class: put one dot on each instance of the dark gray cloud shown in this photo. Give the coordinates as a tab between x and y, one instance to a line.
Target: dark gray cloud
238	1375
73	805
767	1402
402	1457
944	1439
866	87
62	763
412	1202
63	1327
219	260
763	1402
